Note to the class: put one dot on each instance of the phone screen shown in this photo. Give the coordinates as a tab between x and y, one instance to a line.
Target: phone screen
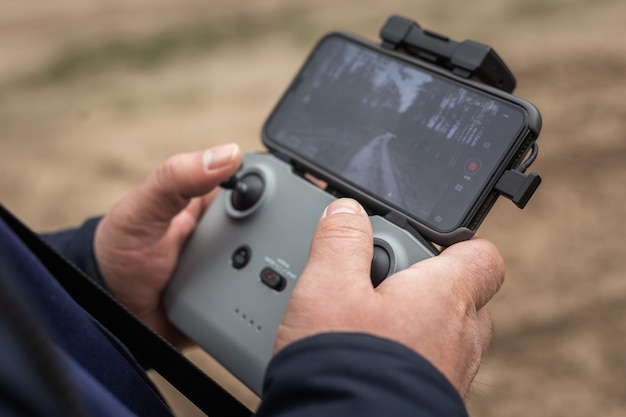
420	143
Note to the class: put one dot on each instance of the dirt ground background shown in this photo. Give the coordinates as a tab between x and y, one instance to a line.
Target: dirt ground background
94	94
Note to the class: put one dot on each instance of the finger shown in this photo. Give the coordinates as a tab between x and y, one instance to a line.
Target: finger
479	269
186	221
342	245
481	340
485	329
169	189
472	270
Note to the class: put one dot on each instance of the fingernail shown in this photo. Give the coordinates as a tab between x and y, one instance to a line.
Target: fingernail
220	156
344	205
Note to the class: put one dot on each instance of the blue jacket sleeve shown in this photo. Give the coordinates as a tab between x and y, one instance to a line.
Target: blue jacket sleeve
340	374
77	246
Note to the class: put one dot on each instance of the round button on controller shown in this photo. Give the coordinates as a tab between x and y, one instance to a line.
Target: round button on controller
240	257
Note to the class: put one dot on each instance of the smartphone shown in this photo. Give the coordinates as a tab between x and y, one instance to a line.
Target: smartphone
400	135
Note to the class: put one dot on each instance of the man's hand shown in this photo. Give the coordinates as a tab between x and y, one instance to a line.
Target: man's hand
138	242
436	307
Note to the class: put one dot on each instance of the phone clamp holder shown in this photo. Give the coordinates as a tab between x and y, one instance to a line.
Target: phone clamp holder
465	59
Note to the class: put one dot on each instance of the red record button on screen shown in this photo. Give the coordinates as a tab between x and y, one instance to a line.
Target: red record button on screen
472	166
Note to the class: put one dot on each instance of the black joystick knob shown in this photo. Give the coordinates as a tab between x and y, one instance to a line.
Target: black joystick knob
247	191
381	264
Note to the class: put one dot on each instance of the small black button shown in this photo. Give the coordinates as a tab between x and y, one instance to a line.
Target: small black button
240	257
273	279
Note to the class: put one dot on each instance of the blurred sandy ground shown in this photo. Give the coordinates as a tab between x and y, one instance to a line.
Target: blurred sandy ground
94	94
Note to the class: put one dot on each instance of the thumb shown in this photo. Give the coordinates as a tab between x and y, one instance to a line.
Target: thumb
343	245
170	188
338	266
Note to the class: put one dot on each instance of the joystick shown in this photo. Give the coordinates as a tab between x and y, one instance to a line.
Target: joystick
235	276
381	264
246	190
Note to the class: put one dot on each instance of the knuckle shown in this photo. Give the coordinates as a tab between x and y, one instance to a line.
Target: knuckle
166	171
339	231
346	227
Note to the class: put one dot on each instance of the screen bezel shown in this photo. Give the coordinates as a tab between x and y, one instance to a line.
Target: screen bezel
481	202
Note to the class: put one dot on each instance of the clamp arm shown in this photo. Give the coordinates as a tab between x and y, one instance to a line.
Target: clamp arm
465	59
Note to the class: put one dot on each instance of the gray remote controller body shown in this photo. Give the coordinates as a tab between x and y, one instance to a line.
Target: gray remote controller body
236	273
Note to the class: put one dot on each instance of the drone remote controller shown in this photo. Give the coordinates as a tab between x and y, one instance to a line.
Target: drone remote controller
235	276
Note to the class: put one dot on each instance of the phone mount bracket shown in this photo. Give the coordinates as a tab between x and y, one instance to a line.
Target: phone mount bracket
465	59
516	185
